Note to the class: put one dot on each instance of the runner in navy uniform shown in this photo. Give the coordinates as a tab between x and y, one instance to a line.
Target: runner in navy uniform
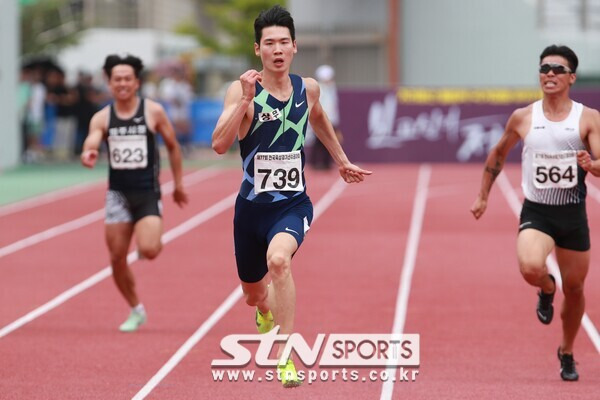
558	135
267	112
129	126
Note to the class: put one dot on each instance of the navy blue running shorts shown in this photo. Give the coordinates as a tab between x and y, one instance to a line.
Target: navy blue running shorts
255	225
566	224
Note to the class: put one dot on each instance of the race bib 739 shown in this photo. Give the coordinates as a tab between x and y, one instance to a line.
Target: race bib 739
278	171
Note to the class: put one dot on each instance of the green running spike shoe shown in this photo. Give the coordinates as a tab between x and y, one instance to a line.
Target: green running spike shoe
264	322
288	375
133	322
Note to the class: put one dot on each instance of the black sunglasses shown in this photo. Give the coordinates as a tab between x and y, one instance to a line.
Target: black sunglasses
558	69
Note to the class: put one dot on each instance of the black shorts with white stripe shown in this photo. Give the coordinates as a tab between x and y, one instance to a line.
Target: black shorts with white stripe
566	224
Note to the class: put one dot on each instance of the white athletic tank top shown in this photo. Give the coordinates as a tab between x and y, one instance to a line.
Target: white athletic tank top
550	174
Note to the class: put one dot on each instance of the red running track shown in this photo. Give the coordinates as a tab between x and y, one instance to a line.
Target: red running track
479	334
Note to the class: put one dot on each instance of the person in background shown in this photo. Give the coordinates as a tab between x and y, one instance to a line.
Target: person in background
319	156
62	98
35	116
130	125
84	108
177	94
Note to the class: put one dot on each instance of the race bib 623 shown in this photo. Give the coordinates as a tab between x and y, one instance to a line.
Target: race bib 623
128	151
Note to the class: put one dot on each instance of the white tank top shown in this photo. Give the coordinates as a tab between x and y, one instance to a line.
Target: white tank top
550	174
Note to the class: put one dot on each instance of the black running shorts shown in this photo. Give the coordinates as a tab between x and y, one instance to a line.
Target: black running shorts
130	207
566	224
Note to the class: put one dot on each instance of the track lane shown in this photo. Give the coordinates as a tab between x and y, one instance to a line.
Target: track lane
480	337
492	346
50	220
181	288
49	197
51	267
346	277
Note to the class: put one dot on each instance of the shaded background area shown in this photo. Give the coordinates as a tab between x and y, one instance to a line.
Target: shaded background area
193	49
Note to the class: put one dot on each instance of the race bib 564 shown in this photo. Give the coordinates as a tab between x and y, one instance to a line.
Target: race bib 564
555	170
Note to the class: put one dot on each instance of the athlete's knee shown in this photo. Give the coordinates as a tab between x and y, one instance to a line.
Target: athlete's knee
279	265
572	289
255	297
150	252
532	272
118	260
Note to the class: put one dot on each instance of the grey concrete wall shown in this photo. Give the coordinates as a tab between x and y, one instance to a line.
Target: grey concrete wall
470	43
10	136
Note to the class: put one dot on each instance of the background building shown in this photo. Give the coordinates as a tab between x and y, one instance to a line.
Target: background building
373	45
443	42
138	14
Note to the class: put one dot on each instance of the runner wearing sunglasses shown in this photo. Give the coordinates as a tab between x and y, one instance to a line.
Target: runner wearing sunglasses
558	135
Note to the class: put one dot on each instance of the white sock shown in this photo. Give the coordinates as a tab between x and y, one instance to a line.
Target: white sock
139	309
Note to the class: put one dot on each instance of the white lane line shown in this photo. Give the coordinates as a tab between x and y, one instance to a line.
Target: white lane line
410	257
166	188
172	234
52	196
51	233
49	197
332	194
515	204
189	344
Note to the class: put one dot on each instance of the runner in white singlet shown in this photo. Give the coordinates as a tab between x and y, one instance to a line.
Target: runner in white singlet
558	135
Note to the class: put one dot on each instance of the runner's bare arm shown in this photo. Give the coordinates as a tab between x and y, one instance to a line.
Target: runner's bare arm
98	124
233	120
165	128
326	134
496	158
592	127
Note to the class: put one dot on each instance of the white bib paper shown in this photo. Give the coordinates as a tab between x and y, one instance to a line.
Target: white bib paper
278	171
555	170
128	151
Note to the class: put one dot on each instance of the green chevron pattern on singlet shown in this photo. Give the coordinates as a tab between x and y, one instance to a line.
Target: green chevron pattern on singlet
261	100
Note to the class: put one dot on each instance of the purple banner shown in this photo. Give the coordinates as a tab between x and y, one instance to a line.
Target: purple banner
424	125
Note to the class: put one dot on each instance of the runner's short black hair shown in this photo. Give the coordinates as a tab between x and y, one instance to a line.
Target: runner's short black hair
274	16
562	51
113	60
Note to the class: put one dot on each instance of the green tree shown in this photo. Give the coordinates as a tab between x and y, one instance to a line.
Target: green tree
233	33
48	25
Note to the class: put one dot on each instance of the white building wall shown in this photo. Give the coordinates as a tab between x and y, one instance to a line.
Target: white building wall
95	44
166	15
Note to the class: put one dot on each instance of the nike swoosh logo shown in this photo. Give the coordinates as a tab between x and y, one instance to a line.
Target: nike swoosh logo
138	120
291	230
524	224
299	104
542	316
